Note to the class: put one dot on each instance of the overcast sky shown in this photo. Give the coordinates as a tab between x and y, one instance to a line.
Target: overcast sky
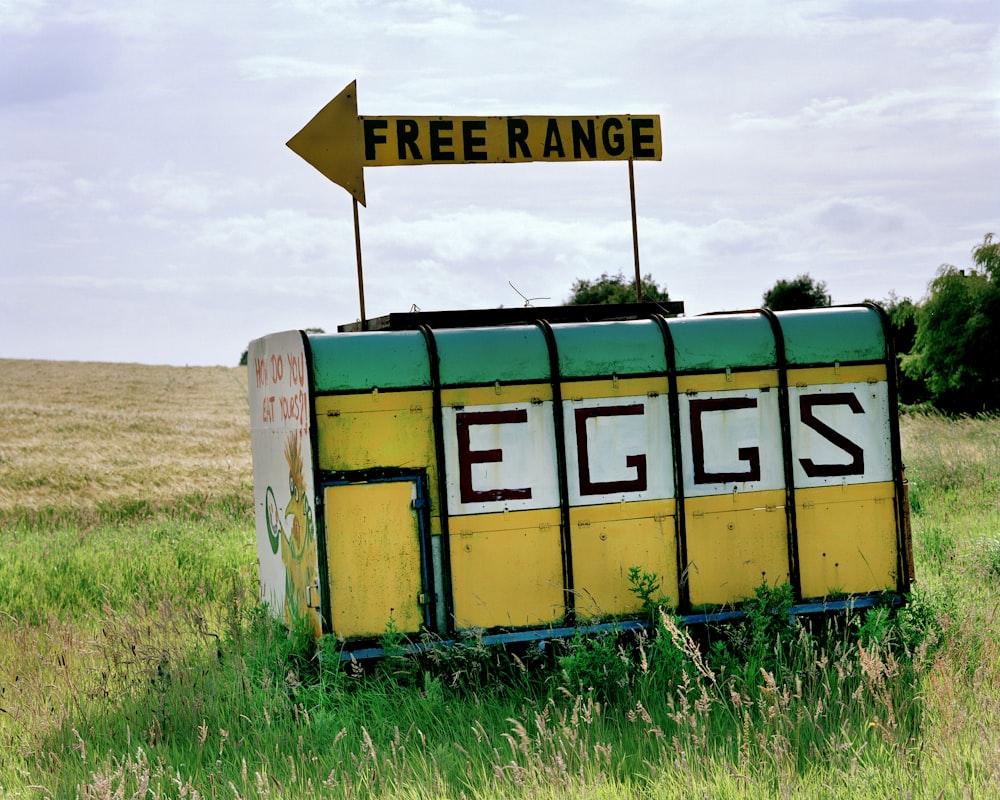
150	210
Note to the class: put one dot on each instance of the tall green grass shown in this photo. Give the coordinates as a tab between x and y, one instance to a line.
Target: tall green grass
71	564
136	662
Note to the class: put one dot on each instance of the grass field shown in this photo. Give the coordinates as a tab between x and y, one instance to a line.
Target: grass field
135	662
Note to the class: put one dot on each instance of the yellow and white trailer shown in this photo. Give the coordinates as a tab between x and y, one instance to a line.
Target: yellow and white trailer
505	476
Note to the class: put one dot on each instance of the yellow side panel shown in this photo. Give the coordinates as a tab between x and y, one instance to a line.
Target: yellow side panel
378	429
721	382
373	553
607	387
506	569
389	429
833	375
495	395
847	538
735	542
608	540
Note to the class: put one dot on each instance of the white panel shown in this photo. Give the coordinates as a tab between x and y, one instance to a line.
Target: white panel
840	434
624	453
731	441
500	457
284	484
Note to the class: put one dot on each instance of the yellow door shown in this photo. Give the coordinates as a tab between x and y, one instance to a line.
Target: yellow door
373	557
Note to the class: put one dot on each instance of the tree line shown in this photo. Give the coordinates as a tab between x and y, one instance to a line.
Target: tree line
947	344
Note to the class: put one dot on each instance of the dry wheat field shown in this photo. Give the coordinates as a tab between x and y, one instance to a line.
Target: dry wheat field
76	435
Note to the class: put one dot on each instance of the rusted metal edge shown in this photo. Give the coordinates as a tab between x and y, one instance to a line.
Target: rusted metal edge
484	317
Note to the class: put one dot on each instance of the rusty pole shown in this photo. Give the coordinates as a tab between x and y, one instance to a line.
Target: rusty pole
357	249
635	232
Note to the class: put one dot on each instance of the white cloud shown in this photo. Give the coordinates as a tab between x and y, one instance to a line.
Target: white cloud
876	217
489	235
899	109
277	235
166	190
290	68
21	16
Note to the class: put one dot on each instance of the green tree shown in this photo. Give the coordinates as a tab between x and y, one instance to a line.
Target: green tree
800	292
902	314
615	289
958	335
986	256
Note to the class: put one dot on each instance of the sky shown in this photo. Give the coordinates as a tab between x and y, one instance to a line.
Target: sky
150	211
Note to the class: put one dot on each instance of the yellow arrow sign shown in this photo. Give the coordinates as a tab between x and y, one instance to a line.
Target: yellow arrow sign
339	143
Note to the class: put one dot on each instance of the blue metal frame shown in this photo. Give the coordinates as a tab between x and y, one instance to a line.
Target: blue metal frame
541	636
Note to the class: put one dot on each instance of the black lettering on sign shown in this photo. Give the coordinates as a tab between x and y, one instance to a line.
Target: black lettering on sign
553	140
441	144
372	135
517	138
749	454
636	462
467	456
614	143
407	131
640	139
471	143
857	465
584	139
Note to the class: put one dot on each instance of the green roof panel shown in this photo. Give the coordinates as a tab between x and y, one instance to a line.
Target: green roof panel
364	361
480	356
829	335
717	341
600	349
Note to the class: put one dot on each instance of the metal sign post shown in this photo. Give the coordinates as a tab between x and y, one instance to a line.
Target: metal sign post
357	250
635	231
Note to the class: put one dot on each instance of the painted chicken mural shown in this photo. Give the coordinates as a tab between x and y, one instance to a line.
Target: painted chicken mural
297	543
